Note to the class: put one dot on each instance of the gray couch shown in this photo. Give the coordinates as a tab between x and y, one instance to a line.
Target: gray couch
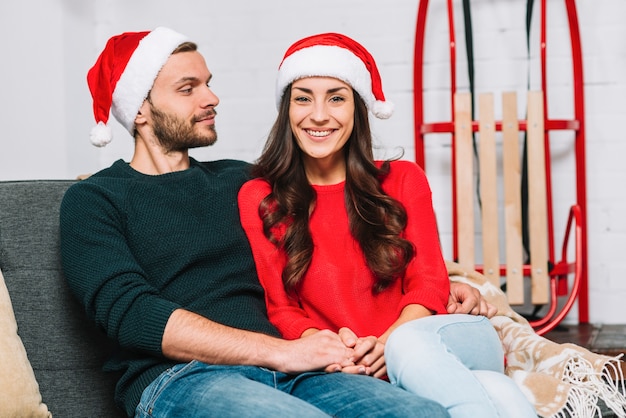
65	351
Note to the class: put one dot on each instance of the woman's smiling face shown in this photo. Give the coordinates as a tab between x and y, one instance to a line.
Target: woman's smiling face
321	115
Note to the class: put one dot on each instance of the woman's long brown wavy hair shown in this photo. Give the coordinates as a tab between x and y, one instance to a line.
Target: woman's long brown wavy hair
376	220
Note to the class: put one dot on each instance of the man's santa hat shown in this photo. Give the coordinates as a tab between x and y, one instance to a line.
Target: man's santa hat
338	56
124	74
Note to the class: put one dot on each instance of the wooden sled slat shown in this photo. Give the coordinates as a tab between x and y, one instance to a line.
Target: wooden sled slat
512	200
488	188
464	168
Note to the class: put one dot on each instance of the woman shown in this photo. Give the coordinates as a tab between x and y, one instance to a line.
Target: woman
342	240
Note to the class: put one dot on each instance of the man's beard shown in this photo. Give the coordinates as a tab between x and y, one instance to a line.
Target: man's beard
176	134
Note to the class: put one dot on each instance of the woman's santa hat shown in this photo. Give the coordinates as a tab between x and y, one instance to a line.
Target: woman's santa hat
124	74
338	56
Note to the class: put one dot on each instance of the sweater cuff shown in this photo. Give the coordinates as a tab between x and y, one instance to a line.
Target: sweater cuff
293	329
148	334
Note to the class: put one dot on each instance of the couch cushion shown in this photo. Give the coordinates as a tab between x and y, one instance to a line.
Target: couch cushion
65	350
19	391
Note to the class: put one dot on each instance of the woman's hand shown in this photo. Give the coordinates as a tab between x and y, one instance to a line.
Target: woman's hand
369	354
374	358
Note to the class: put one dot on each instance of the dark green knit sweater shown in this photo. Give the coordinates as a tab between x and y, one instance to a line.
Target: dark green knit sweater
137	247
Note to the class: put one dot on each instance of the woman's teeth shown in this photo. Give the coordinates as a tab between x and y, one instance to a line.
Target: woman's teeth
318	133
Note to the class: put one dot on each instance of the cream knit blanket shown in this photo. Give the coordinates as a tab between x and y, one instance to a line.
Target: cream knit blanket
561	380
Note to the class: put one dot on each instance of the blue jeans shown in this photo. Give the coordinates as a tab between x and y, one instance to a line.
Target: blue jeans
458	361
196	389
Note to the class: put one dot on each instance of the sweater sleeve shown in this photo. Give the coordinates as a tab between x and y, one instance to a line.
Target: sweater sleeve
102	273
283	311
426	281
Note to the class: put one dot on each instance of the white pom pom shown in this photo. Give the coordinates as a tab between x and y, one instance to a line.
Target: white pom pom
101	135
382	110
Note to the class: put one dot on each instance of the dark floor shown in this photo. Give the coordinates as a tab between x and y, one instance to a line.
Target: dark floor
604	339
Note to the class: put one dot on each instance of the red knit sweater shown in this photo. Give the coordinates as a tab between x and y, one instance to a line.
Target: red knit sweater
337	288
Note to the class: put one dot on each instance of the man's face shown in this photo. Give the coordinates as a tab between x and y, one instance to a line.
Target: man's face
181	104
176	133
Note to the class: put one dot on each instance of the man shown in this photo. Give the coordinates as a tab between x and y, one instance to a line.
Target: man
155	252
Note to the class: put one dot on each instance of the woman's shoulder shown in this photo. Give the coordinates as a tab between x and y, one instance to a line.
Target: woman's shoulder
254	190
403	168
256	184
405	178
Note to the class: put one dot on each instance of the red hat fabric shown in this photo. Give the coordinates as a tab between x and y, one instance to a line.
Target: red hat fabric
335	55
123	75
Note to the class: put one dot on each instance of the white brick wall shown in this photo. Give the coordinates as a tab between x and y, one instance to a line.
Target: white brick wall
49	46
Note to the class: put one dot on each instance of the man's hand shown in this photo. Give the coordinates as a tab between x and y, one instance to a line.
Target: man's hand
189	336
468	300
319	350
